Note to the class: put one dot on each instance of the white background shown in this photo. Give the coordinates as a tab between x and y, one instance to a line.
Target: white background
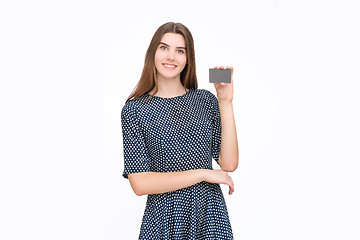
67	67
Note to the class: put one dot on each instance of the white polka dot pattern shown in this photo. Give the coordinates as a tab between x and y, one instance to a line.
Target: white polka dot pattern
177	134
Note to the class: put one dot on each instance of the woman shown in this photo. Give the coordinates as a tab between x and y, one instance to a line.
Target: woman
171	131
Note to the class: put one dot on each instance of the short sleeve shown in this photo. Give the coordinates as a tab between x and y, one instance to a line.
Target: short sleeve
135	152
216	128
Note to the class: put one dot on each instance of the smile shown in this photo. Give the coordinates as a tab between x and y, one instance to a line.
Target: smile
169	66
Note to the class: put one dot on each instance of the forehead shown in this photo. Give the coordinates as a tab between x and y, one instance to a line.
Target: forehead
173	39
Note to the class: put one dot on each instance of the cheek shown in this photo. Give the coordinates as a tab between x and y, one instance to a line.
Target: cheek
158	57
183	60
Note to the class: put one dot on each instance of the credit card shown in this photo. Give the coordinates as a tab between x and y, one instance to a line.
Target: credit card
219	75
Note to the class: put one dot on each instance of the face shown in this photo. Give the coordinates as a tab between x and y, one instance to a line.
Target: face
170	56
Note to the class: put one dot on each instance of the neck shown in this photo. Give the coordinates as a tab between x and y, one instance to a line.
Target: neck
169	87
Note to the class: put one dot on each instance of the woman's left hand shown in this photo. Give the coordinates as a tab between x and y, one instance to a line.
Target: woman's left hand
225	91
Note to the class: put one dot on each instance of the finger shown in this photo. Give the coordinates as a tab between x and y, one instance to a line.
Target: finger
230	67
216	67
231	184
222	67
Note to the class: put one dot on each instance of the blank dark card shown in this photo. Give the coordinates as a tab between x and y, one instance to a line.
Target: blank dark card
219	75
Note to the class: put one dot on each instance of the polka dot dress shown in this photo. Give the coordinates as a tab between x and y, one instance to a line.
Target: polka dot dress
177	134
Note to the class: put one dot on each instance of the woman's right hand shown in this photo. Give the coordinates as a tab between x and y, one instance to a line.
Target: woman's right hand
219	176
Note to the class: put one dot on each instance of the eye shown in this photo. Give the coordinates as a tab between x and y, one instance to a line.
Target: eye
163	47
181	51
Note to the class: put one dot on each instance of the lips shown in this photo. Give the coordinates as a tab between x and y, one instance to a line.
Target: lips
169	66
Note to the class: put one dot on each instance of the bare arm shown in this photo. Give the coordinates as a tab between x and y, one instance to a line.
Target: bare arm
229	152
160	182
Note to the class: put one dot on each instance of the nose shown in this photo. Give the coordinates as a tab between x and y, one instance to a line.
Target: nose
170	55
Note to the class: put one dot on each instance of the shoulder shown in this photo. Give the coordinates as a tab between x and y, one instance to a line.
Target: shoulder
129	109
206	94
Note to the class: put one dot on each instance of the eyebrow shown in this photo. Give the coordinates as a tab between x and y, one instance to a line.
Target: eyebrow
169	46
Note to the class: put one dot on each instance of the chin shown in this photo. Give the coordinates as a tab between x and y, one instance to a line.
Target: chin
168	76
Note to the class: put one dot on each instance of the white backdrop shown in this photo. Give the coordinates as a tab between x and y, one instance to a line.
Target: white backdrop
67	67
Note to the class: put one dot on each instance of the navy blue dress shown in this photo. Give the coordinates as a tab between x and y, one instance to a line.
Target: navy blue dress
177	134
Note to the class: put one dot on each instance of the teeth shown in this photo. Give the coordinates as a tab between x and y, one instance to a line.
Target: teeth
169	66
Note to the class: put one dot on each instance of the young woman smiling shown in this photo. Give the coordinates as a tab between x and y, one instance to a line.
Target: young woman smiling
171	131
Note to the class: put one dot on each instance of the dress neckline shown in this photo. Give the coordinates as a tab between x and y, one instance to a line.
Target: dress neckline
180	96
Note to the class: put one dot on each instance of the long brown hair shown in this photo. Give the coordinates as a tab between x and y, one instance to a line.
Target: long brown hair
148	76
